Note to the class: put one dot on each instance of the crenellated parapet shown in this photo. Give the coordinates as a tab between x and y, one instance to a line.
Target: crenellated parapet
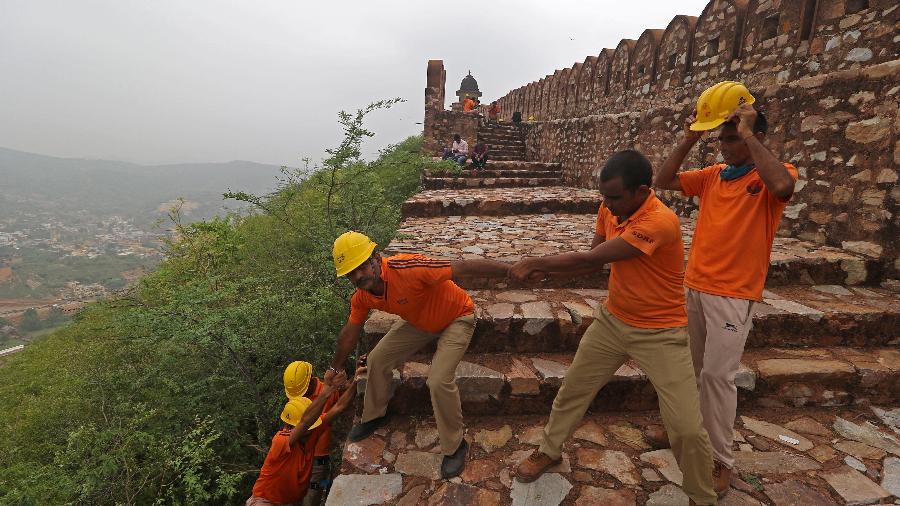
761	42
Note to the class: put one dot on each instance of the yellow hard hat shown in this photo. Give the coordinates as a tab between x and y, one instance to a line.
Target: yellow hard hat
351	249
296	378
717	102
294	410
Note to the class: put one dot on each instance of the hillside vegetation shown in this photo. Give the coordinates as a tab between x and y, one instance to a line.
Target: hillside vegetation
38	183
171	393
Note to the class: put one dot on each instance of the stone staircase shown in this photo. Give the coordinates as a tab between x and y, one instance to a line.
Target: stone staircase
506	141
823	354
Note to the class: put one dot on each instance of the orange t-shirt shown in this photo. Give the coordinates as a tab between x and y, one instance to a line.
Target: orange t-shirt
468	105
419	290
647	291
323	439
733	238
284	477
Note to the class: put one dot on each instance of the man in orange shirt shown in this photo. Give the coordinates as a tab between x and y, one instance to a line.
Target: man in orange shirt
741	202
643	318
299	382
285	474
468	104
433	309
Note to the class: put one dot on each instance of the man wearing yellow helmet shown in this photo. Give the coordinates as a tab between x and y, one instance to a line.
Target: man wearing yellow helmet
300	382
433	310
741	203
286	472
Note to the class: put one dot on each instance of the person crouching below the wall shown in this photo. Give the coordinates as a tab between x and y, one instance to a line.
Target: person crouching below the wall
741	203
286	473
299	382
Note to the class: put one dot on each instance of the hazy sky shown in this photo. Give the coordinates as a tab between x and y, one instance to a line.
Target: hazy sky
202	80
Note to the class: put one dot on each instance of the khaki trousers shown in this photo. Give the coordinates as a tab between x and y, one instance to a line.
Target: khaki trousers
396	347
718	327
664	356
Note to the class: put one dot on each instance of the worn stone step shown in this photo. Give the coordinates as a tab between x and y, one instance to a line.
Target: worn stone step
434	183
606	461
506	150
509	158
499	144
509	238
507	155
505	383
519	165
553	320
491	172
497	141
523	165
494	202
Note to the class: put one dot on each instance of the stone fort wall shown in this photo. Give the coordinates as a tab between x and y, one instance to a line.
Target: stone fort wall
826	72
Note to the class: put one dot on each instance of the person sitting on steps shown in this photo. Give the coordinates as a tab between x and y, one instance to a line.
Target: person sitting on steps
480	156
458	151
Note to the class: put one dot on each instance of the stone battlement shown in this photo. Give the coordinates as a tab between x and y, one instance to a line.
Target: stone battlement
826	73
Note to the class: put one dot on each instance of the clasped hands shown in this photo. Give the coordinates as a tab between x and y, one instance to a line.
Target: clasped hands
339	379
525	270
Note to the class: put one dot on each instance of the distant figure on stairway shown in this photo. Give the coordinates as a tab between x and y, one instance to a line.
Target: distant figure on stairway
468	104
494	112
458	151
480	156
741	203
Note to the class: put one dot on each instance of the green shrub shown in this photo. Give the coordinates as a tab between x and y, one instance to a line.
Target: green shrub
170	393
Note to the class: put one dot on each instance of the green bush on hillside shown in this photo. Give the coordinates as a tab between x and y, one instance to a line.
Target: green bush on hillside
170	394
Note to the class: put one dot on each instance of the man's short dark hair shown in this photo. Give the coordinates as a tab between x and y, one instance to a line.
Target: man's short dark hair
633	167
761	125
456	137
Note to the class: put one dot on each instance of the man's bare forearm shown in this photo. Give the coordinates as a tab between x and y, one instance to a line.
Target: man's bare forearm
666	178
482	267
310	415
346	342
773	173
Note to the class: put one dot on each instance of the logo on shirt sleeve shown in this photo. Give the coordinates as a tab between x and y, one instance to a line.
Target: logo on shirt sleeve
645	238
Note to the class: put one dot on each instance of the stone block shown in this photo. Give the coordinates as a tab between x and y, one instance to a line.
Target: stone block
364	490
854	487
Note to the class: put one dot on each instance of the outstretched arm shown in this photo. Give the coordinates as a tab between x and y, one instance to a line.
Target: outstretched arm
481	267
310	415
346	342
606	252
345	399
667	177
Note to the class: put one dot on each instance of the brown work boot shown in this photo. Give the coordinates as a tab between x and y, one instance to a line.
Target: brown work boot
534	466
657	436
721	479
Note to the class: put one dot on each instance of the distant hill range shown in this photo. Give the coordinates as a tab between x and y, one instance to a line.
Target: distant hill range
32	182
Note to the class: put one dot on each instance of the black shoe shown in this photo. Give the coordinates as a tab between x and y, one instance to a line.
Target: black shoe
363	430
453	465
